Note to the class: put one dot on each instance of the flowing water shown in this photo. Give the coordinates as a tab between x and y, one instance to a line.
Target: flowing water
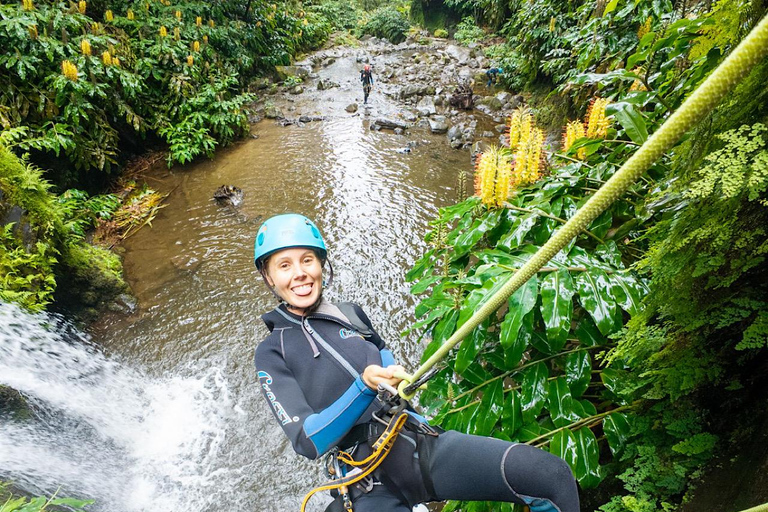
166	414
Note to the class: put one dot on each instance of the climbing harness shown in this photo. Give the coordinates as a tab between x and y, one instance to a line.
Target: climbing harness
699	104
392	415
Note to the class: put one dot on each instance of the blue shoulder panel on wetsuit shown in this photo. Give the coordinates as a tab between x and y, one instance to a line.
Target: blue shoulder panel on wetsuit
327	427
539	504
386	358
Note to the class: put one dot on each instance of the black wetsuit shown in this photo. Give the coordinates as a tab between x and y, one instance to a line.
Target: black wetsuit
492	75
367	78
310	371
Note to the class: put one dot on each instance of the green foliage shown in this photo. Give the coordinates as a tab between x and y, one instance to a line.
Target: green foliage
293	81
39	504
340	15
468	32
387	23
157	84
441	33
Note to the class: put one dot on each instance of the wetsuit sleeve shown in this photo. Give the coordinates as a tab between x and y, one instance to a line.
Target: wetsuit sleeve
311	433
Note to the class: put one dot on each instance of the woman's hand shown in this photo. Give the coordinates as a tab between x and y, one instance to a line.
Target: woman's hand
375	375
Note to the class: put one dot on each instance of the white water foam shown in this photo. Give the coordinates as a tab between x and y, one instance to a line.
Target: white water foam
105	431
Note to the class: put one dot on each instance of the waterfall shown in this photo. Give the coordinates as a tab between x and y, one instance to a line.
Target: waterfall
102	429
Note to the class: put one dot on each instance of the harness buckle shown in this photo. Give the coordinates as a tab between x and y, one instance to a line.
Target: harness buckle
427	429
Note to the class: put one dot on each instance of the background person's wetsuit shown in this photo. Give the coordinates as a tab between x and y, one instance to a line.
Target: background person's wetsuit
492	75
366	76
310	371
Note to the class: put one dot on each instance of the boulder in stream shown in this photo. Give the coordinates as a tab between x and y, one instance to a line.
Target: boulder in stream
389	124
351	108
438	124
228	195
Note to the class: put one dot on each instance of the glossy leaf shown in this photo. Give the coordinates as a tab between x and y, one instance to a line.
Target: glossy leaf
563	444
520	304
534	393
588	333
557	307
588	471
525	336
600	226
512	413
594	289
628	292
560	403
617	430
490	410
468	238
442	331
578	371
516	235
470	347
630	119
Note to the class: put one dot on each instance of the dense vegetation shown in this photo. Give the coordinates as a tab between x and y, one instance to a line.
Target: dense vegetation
633	353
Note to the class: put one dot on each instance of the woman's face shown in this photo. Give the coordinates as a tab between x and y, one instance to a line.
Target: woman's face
296	274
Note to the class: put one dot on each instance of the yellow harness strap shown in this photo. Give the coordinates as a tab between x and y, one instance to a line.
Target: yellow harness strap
381	449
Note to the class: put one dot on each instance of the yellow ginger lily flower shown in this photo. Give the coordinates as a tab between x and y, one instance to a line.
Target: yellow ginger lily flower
493	176
95	27
81	5
28	5
116	62
130	14
597	122
106	58
574	131
85	47
163	32
645	27
176	33
552	24
196	46
305	22
199	21
69	70
520	124
528	159
178	15
33	31
205	39
211	23
190	60
108	16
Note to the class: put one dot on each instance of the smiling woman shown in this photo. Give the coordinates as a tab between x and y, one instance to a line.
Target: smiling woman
320	369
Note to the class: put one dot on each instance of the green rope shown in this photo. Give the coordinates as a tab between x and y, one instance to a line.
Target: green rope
706	97
759	508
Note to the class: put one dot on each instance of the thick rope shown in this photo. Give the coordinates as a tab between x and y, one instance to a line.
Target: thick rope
698	105
759	508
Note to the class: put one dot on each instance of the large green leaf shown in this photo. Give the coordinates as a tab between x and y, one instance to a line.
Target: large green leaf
588	471
534	388
520	304
512	413
600	226
490	410
563	444
630	119
560	403
628	292
588	333
468	238
520	227
557	307
442	331
479	296
594	289
617	429
471	346
525	336
578	371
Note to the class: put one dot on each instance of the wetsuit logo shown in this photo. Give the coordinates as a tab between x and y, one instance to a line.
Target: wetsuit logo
282	416
348	333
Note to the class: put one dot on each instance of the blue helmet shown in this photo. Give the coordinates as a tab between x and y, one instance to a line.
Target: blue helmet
285	231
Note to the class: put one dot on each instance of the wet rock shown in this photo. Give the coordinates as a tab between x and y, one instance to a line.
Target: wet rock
399	131
272	112
438	124
297	90
259	84
473	63
123	303
410	116
389	124
229	195
504	97
323	85
426	106
500	128
492	102
516	101
458	53
255	117
455	132
285	71
351	108
309	119
457	144
488	134
327	62
411	90
186	263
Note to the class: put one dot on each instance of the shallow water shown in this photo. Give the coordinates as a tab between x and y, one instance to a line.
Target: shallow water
179	421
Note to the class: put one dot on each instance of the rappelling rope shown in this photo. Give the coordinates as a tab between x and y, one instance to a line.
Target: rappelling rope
698	105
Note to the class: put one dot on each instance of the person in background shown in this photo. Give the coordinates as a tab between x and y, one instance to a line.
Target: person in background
319	370
366	77
493	76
